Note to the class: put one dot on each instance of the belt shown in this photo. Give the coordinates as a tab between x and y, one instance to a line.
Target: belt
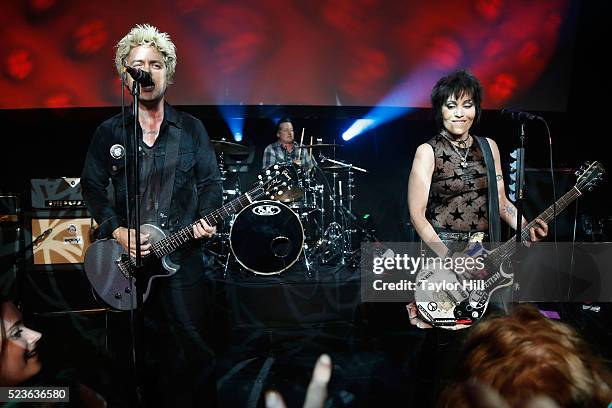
460	236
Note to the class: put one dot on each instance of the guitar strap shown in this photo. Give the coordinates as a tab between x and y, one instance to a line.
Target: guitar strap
170	162
494	222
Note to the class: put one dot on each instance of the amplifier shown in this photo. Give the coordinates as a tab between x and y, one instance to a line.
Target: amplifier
9	207
63	192
57	237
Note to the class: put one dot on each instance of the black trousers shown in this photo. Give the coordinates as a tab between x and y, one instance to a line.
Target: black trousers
180	364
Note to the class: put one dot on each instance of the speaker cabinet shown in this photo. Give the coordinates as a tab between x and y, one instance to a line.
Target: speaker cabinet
58	237
55	245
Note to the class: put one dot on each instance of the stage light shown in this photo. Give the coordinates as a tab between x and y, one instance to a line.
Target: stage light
357	128
234	118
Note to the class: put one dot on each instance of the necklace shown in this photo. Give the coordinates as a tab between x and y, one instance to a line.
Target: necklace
463	145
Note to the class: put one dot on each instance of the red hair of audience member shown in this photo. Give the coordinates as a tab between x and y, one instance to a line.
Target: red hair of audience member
525	355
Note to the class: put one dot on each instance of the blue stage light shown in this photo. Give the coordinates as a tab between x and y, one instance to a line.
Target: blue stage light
234	118
357	128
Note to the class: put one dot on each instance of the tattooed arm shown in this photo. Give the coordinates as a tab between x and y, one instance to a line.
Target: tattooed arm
508	213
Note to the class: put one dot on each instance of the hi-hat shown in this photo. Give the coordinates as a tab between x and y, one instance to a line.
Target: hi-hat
321	145
222	146
335	168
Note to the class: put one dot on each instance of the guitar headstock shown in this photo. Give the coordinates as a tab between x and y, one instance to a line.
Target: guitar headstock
277	179
589	175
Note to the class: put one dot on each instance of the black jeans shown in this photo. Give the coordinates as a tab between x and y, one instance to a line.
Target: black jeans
180	363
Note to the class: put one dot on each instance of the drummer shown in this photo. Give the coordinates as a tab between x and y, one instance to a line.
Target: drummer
286	149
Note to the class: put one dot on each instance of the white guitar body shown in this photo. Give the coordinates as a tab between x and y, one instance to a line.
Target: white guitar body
446	300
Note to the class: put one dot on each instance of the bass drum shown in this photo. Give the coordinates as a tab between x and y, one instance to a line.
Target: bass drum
267	237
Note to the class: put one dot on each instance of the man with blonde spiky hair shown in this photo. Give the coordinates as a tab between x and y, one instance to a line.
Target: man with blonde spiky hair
179	184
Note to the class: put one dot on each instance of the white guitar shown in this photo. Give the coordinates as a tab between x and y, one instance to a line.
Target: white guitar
445	301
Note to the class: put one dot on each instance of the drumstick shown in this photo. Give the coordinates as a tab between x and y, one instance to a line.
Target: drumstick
310	150
301	142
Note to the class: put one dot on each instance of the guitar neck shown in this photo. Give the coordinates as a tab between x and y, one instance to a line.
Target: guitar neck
174	241
505	251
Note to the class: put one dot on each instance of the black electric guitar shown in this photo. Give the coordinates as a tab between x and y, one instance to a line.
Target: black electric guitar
453	304
109	268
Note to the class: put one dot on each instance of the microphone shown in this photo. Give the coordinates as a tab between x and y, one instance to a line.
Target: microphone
140	76
520	116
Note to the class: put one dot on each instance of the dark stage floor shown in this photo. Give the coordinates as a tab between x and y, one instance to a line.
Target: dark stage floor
268	332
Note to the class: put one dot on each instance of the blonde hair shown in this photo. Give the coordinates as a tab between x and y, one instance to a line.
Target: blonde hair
146	34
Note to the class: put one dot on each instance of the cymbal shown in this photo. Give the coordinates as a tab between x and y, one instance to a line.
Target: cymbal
334	167
289	196
222	146
322	145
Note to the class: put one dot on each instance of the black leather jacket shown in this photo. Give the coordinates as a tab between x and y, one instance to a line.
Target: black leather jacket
197	184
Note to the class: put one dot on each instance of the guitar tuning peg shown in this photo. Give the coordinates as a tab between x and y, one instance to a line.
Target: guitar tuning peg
280	192
577	172
590	188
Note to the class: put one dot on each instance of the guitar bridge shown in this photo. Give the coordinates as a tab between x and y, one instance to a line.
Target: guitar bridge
124	265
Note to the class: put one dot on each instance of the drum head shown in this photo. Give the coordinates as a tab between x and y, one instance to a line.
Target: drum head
267	237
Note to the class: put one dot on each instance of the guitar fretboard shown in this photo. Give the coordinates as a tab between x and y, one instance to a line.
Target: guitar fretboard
172	242
506	250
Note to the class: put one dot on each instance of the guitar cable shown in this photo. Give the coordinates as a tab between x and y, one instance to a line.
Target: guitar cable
554	199
571	274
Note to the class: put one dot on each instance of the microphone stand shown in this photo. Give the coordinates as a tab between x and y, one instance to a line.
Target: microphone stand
138	350
520	183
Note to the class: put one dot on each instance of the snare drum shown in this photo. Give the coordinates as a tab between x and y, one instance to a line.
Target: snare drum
267	237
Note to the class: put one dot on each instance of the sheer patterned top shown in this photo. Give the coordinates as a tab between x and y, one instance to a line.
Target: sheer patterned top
458	193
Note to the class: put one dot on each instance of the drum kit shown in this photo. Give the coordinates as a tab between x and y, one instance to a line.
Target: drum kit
309	222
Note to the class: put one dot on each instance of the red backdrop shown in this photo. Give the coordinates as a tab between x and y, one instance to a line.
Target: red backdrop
352	52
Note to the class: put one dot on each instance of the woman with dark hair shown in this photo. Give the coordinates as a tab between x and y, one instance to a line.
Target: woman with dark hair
20	365
18	355
456	185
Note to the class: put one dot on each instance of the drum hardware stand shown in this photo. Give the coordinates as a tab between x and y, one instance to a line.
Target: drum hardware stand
346	232
221	164
226	267
306	261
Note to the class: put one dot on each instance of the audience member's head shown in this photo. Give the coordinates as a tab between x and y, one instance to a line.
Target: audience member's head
525	355
18	356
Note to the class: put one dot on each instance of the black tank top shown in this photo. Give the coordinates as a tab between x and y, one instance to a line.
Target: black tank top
458	195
